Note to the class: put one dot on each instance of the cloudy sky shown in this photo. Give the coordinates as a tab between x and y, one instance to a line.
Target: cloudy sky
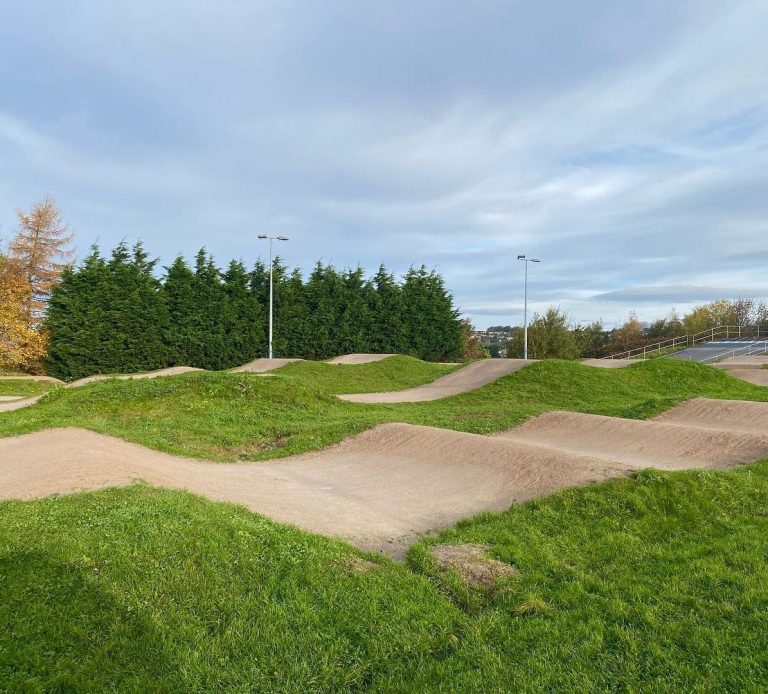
625	143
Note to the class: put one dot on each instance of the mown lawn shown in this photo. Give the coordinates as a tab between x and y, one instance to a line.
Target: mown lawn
224	416
657	583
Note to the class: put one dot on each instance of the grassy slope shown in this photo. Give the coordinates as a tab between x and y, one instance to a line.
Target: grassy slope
226	416
657	583
24	387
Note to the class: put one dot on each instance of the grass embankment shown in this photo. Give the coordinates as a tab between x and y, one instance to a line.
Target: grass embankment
657	583
24	387
225	416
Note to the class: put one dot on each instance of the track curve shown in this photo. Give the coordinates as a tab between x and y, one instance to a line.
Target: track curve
470	377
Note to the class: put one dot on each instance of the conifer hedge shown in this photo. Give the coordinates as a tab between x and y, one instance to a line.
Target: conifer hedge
113	315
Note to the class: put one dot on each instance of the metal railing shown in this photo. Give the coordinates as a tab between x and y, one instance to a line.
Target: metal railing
745	351
729	332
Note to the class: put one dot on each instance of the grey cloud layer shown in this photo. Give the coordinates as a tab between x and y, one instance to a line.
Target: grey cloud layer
626	145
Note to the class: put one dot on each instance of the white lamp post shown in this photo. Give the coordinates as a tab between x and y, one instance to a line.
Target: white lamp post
525	310
271	239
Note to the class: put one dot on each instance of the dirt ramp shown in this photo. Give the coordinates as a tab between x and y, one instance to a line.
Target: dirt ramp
639	443
735	415
752	362
263	365
471	377
758	377
359	358
11	405
25	377
609	363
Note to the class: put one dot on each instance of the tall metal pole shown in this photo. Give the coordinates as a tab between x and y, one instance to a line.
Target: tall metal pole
264	237
525	315
270	297
526	260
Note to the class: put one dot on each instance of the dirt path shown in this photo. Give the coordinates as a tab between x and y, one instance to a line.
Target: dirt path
262	365
470	377
25	377
670	444
11	405
610	363
733	415
382	489
360	358
758	377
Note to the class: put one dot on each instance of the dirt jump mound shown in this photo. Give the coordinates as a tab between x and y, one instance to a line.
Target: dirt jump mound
260	366
360	358
475	375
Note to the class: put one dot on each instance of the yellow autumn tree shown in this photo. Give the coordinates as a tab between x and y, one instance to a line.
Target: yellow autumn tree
39	251
21	345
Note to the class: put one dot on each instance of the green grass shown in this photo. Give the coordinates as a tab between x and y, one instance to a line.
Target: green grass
223	416
657	583
24	387
394	373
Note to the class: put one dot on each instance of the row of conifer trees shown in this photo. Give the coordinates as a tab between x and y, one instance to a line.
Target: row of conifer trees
113	315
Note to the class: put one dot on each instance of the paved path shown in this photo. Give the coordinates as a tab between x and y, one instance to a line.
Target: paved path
470	377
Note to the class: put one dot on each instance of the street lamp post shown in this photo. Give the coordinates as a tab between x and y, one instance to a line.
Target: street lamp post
271	239
525	309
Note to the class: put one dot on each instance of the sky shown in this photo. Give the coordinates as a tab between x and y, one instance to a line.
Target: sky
624	143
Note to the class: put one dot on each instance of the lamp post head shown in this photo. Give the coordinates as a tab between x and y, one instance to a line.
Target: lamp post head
282	238
535	260
521	257
262	236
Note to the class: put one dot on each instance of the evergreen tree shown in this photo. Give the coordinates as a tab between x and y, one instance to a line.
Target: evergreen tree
353	313
208	317
114	316
242	318
322	291
133	312
386	331
431	323
75	320
182	338
292	317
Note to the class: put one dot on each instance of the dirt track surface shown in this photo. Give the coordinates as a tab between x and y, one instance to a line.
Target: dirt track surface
382	489
11	405
360	358
733	415
260	366
758	377
24	377
643	443
378	490
742	363
609	363
475	375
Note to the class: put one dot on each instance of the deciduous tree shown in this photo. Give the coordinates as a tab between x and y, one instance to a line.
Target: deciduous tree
21	345
40	251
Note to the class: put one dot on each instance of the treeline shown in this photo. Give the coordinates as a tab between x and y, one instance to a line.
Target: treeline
551	335
109	315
